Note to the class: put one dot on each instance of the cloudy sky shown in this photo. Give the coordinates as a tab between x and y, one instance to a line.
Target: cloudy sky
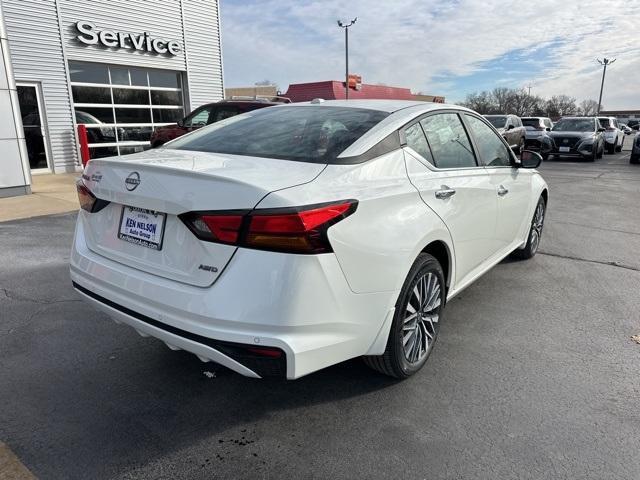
440	47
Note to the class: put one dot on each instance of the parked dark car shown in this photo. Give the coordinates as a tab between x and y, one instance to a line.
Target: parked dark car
206	114
635	151
578	137
537	138
510	127
634	124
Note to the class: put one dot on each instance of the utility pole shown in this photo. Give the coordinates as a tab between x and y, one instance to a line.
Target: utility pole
529	87
604	63
346	54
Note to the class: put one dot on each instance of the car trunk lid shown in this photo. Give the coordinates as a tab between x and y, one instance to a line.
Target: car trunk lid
173	182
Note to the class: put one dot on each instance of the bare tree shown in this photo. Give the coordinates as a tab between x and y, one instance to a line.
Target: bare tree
503	99
559	105
481	102
588	107
523	104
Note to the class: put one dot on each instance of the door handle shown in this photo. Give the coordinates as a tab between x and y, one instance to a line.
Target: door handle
502	191
446	192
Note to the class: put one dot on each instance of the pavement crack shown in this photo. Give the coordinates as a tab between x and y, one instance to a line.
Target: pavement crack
41	301
599	262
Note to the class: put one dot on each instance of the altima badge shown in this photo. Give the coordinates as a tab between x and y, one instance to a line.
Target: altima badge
132	181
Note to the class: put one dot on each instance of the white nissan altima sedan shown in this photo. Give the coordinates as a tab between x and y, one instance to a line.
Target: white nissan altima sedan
291	238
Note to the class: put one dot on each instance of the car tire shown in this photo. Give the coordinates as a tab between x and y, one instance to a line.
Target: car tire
535	232
545	156
416	321
600	151
619	149
594	155
635	159
612	148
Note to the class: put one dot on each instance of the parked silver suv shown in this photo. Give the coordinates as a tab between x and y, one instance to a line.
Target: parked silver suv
613	135
536	134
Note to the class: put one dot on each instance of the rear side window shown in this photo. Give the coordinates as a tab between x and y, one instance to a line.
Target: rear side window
416	140
448	140
316	134
491	149
221	113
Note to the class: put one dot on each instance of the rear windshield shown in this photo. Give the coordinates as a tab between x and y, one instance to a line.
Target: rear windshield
575	125
316	134
531	122
497	122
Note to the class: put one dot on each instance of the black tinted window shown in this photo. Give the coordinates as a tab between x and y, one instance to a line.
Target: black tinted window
448	140
491	149
531	122
416	140
305	133
497	121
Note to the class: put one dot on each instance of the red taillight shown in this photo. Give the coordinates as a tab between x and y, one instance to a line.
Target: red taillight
88	201
225	228
265	352
85	197
294	230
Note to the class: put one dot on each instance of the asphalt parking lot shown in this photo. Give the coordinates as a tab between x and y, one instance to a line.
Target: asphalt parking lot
535	374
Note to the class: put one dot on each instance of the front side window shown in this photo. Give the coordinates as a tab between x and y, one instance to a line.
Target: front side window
416	140
605	122
315	134
491	149
448	140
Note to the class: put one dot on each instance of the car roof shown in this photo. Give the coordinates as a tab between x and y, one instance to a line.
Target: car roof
389	106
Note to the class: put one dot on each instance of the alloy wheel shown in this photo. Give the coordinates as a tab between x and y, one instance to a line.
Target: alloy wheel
536	227
422	312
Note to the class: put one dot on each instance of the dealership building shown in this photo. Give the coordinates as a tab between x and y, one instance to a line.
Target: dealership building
119	67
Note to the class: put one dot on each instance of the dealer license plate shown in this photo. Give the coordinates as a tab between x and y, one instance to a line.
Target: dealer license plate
564	149
142	227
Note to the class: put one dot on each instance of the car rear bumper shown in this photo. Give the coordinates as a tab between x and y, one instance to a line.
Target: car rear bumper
299	304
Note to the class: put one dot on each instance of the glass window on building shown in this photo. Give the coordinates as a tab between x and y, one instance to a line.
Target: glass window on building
120	105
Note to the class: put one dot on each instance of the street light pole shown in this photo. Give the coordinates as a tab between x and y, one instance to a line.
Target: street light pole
346	54
604	64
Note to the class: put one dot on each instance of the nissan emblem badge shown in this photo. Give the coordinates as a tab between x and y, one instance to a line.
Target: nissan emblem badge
132	181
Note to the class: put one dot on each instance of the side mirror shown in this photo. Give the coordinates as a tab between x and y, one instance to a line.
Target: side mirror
510	127
530	159
180	122
548	129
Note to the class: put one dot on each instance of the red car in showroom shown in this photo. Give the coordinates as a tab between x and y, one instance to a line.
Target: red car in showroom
210	113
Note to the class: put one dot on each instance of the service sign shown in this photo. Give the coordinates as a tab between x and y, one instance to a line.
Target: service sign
90	35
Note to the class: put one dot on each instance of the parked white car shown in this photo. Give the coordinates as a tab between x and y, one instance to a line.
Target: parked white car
613	135
291	238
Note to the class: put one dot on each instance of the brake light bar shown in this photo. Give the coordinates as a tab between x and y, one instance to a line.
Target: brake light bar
292	230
